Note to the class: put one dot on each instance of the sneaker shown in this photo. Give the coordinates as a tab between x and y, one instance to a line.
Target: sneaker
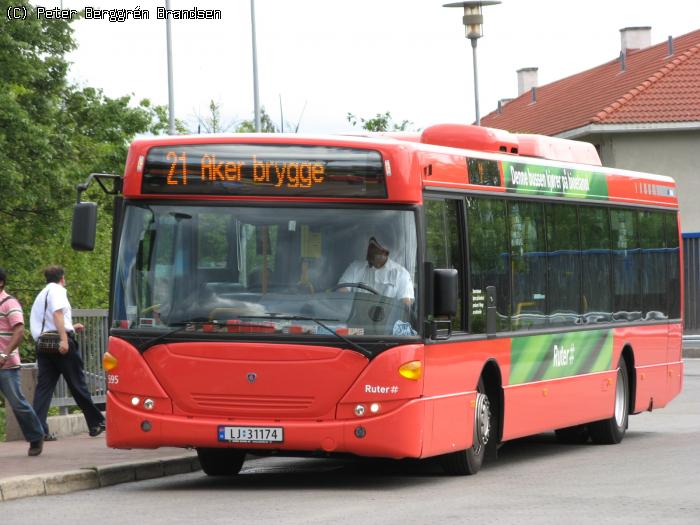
35	447
51	436
96	431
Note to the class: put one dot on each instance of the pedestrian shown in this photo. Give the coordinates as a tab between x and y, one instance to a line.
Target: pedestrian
11	334
51	311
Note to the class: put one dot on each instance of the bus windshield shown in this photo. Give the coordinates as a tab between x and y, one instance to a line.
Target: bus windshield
278	270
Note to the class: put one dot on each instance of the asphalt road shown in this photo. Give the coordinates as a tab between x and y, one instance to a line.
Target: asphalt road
653	476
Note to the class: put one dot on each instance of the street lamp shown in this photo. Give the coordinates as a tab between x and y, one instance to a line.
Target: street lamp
256	98
171	88
473	30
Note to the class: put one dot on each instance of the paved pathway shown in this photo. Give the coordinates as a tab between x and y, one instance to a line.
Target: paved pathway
81	462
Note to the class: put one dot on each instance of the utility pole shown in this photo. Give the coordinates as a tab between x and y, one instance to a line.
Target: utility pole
256	100
171	95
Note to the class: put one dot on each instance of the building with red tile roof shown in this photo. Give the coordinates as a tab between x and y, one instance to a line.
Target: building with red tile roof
653	88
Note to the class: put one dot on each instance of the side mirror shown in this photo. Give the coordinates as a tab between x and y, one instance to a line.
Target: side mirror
445	292
84	226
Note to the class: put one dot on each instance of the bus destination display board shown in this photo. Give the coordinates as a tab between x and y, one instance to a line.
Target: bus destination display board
264	170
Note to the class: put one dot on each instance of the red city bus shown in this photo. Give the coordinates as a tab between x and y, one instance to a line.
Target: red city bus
390	295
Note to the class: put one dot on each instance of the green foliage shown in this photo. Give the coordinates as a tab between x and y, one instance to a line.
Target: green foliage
380	122
213	122
266	124
52	135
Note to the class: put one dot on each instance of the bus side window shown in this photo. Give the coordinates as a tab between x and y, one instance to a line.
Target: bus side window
563	265
672	263
489	261
626	266
442	234
528	264
654	270
596	299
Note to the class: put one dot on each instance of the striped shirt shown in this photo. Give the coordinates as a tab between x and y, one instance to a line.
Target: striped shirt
10	317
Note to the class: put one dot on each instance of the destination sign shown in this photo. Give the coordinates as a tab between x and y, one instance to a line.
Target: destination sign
264	170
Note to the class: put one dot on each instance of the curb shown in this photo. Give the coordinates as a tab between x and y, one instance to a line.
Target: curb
94	477
691	352
691	345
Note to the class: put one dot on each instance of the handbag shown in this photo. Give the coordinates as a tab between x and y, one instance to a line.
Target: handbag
48	342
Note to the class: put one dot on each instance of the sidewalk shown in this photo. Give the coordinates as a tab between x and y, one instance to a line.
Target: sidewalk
82	462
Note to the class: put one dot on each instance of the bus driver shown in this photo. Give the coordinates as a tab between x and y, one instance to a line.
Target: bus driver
379	272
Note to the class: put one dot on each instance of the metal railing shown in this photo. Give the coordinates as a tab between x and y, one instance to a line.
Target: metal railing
93	345
691	267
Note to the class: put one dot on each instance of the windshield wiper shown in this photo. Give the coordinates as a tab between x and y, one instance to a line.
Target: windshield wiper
319	322
179	326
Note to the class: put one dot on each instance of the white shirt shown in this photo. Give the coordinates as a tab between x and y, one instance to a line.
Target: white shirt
391	280
57	300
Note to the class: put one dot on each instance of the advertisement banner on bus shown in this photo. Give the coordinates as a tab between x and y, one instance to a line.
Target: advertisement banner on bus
555	181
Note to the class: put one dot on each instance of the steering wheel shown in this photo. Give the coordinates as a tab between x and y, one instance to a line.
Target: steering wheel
355	285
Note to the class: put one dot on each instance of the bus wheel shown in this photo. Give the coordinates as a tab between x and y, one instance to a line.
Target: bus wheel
220	461
576	435
611	431
469	461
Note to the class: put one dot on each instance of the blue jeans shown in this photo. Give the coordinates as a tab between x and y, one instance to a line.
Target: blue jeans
26	417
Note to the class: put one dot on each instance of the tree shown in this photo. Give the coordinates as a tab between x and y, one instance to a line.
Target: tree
52	135
213	123
380	122
266	124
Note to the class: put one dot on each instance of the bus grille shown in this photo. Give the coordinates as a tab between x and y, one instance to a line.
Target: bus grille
256	403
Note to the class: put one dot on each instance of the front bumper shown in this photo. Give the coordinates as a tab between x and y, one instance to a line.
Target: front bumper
396	434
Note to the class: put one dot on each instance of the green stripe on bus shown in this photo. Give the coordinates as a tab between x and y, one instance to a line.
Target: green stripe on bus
542	357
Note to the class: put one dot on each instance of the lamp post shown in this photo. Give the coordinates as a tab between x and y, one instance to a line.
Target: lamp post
256	98
171	94
473	30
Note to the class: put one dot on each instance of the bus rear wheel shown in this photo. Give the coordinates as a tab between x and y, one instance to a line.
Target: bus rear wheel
469	461
220	461
611	431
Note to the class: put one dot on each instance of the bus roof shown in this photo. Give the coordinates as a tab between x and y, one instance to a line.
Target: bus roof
445	156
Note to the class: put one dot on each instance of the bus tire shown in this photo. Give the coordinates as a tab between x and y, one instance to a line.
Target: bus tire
469	461
611	431
220	461
576	435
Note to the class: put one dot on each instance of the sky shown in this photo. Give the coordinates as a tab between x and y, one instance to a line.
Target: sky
325	58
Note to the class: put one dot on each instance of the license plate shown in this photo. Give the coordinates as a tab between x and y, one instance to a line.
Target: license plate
251	434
